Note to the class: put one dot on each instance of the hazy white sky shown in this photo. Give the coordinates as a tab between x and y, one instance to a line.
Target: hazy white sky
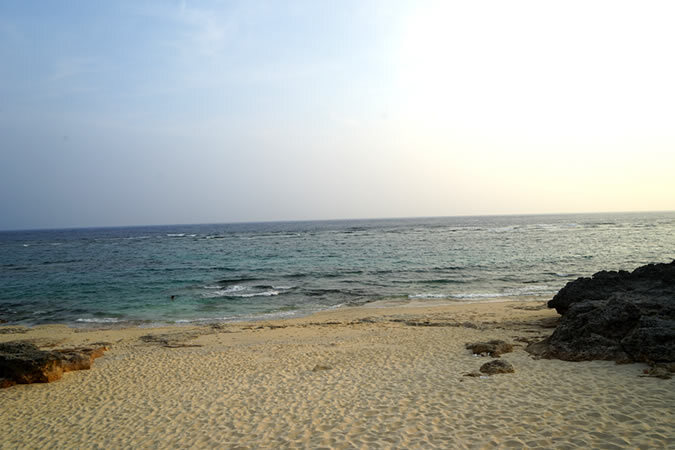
119	113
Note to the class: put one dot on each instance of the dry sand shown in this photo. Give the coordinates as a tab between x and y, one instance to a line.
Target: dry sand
350	378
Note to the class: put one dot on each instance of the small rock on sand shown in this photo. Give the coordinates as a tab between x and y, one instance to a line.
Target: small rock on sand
494	348
497	366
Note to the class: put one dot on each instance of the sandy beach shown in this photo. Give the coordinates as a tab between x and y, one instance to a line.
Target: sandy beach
383	376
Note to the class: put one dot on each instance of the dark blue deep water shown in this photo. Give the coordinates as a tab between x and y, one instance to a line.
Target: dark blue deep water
263	270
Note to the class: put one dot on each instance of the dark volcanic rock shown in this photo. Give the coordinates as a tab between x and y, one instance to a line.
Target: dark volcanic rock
652	279
494	348
496	366
617	316
25	363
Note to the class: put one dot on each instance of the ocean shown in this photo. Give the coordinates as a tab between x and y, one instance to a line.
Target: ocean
127	276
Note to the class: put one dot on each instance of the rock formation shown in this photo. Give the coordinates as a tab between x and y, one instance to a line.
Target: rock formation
24	363
619	316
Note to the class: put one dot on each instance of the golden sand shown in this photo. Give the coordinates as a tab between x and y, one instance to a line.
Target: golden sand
371	377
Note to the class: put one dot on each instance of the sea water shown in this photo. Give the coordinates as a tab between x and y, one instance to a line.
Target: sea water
248	271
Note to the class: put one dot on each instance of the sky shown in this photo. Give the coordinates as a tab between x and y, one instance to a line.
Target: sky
167	112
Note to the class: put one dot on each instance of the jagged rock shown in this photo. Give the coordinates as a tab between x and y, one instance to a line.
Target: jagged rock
321	367
654	279
496	366
494	348
24	363
618	316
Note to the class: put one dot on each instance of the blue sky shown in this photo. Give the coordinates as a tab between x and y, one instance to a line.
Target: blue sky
119	113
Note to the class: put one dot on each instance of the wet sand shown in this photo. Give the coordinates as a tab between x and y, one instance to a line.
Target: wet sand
382	376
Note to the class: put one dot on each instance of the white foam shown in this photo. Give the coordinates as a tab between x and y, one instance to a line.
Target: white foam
276	314
530	290
242	318
411	296
101	320
259	294
176	234
201	319
339	305
223	292
482	295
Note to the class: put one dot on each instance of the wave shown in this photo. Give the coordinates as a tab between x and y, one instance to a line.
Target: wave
560	274
529	291
175	235
267	287
14	267
259	294
239	291
228	292
416	296
101	320
240	318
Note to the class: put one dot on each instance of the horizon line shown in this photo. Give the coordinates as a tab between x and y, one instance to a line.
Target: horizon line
242	222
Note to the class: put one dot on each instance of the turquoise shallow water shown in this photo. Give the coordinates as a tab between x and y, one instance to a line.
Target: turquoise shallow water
263	270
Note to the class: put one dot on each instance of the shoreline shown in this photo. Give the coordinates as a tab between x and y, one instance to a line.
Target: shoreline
387	376
375	304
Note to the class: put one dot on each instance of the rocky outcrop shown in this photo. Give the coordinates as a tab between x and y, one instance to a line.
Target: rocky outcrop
650	280
24	363
494	348
619	316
